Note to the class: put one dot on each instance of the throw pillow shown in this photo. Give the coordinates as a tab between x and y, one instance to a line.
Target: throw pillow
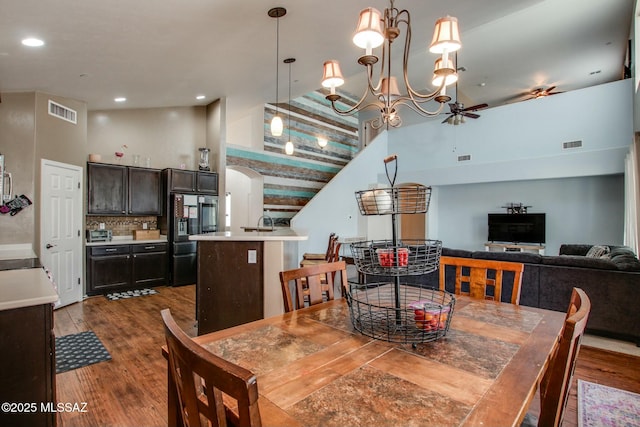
598	251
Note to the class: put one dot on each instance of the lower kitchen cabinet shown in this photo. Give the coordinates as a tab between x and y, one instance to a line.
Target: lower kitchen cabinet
116	268
28	367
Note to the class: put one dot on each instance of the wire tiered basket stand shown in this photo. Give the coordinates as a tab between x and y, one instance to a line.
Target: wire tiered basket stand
383	305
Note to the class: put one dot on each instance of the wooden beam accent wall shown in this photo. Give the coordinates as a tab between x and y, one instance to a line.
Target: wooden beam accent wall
291	181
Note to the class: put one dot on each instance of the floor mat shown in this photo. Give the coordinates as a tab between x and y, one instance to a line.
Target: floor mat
599	405
130	294
78	350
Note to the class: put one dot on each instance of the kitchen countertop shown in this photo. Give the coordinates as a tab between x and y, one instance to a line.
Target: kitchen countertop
128	240
284	234
25	288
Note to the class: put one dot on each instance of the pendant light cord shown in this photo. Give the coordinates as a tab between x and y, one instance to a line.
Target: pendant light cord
277	56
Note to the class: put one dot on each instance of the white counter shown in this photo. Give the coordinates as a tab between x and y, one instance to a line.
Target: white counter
25	288
280	235
17	251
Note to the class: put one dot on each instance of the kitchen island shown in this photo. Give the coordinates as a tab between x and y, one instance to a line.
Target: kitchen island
238	276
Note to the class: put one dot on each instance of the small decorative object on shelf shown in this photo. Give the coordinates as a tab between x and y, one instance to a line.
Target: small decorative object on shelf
516	208
392	310
120	154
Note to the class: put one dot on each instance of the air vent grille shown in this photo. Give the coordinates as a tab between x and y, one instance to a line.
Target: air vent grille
571	144
464	158
62	112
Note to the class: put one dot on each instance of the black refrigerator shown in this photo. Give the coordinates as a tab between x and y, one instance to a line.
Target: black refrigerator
188	214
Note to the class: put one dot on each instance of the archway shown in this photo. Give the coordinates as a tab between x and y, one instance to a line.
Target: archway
244	188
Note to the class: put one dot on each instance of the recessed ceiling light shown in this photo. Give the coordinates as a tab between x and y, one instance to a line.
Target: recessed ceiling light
200	97
120	99
32	42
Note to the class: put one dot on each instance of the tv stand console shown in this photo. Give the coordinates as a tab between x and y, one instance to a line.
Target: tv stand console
513	247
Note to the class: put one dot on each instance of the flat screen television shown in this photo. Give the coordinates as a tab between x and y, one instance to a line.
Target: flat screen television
517	228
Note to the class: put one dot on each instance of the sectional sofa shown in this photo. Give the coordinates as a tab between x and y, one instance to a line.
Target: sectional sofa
612	283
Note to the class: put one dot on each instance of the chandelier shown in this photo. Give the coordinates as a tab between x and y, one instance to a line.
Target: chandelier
375	30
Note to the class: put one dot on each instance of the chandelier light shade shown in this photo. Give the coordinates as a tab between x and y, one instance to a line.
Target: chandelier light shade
446	36
332	75
368	33
276	122
444	72
383	91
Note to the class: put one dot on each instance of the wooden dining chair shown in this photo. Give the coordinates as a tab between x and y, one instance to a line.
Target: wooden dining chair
331	255
313	284
202	379
473	273
556	383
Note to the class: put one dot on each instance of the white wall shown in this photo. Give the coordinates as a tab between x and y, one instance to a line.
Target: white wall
516	154
334	208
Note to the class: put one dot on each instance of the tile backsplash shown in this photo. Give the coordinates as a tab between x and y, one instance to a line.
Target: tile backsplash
121	225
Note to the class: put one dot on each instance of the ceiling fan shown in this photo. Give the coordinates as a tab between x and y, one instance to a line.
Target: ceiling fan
542	92
457	111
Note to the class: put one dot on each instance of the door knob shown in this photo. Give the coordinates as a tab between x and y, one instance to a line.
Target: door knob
49	246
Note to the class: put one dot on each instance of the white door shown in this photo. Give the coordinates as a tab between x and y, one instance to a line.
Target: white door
60	228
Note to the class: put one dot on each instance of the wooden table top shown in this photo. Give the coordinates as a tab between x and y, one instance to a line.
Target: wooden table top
314	368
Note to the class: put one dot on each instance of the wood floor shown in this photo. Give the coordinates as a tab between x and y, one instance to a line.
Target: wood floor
130	390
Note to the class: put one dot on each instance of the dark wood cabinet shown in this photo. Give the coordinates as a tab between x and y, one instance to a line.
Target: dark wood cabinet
123	190
207	182
116	268
27	365
145	191
230	285
149	264
107	189
179	180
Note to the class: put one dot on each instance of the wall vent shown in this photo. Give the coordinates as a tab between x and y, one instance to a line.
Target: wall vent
571	144
464	158
62	112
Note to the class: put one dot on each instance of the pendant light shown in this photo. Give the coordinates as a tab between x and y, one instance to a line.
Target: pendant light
288	147
276	122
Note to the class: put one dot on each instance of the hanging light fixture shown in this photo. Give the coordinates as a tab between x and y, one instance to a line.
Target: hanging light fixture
276	122
374	30
288	147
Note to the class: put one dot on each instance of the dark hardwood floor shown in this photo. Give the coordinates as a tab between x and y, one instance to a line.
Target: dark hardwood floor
130	390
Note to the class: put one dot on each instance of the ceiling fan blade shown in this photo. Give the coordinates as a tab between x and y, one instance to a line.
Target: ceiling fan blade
445	120
476	107
548	91
471	115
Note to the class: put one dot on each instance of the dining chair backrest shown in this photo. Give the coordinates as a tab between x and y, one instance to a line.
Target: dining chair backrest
555	386
201	380
313	284
331	255
474	275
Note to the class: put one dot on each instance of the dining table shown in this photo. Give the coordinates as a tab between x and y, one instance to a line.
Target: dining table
314	368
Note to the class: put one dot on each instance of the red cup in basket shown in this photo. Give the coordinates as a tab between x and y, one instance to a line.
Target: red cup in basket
386	257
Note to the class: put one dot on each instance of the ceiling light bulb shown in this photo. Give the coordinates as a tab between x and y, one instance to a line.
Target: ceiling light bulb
32	42
120	99
288	148
199	97
276	126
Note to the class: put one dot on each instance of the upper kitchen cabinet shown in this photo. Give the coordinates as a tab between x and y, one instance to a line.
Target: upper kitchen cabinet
207	182
179	180
145	191
107	189
122	190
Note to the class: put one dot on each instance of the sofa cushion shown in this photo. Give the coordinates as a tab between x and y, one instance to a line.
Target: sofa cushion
523	257
460	253
574	249
626	262
598	251
579	261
